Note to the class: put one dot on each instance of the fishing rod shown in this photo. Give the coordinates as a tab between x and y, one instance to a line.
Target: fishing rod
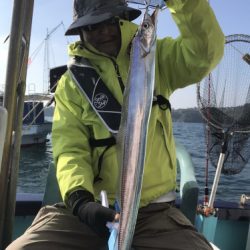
19	41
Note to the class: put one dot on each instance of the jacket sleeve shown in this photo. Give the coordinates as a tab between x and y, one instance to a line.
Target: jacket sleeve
71	150
198	49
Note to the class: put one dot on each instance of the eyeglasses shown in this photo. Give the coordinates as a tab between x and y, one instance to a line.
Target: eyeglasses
99	26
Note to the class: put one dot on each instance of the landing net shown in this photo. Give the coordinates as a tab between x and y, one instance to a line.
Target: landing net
224	102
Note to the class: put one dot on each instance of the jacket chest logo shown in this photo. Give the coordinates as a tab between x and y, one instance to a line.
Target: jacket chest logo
100	100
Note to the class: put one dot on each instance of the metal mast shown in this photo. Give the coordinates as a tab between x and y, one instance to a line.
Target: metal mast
13	101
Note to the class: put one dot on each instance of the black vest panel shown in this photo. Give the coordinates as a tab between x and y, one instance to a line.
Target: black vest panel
99	96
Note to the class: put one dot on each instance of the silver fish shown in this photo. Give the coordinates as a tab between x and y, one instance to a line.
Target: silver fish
152	3
132	134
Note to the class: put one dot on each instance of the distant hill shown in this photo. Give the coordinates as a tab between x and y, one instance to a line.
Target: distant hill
178	115
187	115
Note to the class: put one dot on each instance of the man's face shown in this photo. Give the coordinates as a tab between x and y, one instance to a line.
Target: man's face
104	36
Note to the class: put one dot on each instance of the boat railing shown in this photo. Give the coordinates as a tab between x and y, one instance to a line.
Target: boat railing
34	110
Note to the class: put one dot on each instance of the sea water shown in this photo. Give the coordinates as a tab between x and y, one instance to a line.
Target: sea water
35	160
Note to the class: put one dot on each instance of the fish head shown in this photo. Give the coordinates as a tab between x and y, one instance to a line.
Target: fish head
147	31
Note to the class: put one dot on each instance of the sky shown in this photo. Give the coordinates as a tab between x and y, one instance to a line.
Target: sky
232	15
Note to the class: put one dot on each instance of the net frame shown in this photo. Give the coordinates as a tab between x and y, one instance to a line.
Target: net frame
206	108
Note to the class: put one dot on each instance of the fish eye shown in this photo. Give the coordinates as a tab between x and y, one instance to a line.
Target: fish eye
145	25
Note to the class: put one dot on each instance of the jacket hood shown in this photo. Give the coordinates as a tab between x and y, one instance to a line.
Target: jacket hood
128	31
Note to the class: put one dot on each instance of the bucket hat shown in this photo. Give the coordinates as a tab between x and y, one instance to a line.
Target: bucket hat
87	12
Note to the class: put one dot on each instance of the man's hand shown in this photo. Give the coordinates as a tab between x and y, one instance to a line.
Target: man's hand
96	217
90	212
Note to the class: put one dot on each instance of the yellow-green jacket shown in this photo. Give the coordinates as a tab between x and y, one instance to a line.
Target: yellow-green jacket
179	62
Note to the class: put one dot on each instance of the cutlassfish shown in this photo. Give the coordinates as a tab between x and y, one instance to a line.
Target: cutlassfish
132	134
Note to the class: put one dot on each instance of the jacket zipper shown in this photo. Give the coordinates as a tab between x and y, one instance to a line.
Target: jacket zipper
118	75
122	86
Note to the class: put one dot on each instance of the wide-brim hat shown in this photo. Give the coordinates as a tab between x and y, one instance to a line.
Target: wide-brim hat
87	12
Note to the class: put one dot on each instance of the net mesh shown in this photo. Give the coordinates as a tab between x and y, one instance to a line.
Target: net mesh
237	153
224	102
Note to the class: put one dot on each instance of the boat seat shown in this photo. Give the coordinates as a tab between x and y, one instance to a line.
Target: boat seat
188	185
189	190
3	126
52	193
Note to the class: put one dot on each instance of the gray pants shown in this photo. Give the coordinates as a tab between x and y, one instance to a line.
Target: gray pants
159	226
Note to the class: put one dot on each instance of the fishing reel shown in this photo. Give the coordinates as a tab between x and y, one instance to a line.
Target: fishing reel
206	211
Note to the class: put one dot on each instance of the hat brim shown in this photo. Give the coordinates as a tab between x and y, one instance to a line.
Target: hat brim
100	16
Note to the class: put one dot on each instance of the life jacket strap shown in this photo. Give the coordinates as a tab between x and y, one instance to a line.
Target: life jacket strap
108	142
163	102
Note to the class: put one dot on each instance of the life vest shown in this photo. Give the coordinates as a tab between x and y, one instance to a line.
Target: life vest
102	101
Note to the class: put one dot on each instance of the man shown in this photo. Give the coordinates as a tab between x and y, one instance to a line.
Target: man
83	149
